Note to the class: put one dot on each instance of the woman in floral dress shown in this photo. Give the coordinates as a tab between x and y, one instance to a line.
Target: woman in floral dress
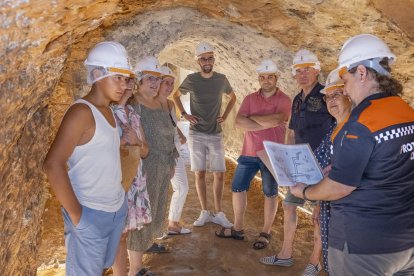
139	209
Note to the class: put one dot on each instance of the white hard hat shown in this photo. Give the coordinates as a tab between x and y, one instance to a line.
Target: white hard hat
167	72
305	58
202	48
267	66
333	81
148	66
110	56
365	49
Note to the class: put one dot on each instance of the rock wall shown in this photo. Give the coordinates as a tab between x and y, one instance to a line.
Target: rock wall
43	44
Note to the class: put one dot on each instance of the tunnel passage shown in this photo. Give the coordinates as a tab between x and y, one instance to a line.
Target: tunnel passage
43	45
172	34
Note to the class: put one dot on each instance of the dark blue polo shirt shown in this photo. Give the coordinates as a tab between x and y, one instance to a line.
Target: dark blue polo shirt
310	119
374	152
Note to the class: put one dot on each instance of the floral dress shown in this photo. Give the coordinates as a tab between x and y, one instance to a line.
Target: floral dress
323	155
139	208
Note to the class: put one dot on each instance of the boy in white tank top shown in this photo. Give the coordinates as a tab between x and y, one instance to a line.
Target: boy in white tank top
91	194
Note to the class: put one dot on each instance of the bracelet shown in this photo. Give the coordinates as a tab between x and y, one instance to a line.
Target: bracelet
304	193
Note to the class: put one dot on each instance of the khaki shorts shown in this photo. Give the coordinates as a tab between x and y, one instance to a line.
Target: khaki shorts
206	152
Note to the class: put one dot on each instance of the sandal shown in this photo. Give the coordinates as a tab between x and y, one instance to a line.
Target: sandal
144	272
263	241
157	248
237	235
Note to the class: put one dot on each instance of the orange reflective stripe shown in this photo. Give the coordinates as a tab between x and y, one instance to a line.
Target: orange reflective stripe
333	87
157	74
338	128
350	136
120	71
303	65
342	71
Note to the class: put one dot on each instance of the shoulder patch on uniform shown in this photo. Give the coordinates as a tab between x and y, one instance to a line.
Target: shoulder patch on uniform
386	112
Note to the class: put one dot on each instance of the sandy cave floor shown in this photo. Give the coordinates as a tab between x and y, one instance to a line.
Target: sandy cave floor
200	253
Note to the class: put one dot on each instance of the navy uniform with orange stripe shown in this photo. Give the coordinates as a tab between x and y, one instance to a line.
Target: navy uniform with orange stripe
374	152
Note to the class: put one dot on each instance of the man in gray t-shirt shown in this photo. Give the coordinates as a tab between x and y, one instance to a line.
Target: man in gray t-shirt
205	139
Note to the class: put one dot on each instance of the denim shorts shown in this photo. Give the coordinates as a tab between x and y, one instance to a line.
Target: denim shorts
206	152
247	168
92	244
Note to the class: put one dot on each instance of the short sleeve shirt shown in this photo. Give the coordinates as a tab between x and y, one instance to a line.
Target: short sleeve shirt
205	99
310	119
374	152
257	104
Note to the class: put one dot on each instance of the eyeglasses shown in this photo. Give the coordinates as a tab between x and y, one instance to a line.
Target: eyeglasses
305	70
206	60
153	78
334	96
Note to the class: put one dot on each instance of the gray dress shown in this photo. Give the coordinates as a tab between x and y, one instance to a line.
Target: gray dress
158	167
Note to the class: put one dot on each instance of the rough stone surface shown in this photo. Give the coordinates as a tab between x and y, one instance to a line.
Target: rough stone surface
43	44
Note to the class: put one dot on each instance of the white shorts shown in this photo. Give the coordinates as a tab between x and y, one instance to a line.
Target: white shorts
206	152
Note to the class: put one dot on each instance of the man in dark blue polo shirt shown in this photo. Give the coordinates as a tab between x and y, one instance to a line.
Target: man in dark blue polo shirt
371	184
309	123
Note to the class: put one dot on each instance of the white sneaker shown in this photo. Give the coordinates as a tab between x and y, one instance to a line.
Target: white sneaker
204	217
220	218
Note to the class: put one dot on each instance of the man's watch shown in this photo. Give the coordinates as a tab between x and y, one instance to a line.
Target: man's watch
183	113
304	193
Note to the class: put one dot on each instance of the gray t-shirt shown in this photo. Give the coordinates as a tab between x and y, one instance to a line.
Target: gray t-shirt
205	99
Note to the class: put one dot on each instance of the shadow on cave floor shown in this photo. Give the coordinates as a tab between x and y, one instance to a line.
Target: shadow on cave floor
200	253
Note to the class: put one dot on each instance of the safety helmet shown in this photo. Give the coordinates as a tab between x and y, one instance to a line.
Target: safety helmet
267	66
367	50
111	58
202	48
148	66
333	81
167	72
305	58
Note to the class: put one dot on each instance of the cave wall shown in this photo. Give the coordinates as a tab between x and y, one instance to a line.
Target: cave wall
43	44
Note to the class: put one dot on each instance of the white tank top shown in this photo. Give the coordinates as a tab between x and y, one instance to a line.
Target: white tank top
95	167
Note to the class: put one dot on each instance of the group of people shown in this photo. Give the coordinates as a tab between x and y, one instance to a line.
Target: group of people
361	132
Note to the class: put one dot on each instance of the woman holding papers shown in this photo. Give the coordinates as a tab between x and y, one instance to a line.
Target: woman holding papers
371	182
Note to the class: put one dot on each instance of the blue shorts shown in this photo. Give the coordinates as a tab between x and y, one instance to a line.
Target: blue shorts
247	168
92	245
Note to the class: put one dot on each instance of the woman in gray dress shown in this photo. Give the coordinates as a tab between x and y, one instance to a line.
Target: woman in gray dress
158	166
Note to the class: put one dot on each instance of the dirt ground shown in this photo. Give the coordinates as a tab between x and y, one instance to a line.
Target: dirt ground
200	253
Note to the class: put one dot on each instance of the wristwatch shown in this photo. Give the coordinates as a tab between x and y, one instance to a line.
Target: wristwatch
304	193
183	113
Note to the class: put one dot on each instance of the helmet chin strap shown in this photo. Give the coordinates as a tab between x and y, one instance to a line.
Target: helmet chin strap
374	64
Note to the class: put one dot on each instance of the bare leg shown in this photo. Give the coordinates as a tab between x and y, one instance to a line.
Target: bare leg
200	181
135	262
239	206
289	229
317	240
270	210
120	264
218	190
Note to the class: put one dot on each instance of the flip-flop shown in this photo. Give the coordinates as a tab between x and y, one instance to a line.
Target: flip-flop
183	231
